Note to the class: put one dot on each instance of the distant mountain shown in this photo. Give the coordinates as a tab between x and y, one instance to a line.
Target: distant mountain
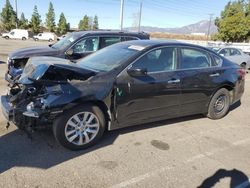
200	27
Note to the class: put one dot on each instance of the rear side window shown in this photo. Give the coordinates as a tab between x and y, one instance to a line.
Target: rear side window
217	61
107	41
194	58
129	38
235	52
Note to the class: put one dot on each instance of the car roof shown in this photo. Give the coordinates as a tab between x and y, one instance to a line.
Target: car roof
155	43
113	32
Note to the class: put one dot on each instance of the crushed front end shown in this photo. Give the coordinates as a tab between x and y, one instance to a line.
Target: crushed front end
42	93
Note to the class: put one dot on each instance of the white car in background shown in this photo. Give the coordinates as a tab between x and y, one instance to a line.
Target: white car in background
16	34
235	55
44	36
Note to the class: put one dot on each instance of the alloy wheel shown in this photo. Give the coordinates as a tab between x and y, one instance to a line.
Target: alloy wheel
82	128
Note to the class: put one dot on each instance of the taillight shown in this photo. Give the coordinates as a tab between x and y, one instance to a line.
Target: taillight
242	73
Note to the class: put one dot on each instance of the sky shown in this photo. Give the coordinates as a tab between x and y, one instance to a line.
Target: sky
156	13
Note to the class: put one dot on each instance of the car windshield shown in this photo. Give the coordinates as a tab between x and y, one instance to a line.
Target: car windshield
110	57
66	41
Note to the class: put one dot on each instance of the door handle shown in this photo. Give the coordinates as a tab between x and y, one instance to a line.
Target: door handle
174	81
215	75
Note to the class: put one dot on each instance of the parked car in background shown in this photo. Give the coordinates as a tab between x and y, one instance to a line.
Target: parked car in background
44	36
122	85
235	55
61	37
74	46
16	34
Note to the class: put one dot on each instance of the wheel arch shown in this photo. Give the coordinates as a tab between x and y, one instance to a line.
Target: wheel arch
104	108
229	87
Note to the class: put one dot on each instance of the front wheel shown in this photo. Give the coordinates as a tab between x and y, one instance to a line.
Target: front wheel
23	38
80	127
219	104
7	37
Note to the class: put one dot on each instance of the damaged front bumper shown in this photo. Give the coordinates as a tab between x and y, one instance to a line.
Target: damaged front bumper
27	116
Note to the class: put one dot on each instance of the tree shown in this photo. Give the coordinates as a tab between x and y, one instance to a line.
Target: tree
233	25
8	16
50	18
23	22
62	26
95	23
84	23
35	21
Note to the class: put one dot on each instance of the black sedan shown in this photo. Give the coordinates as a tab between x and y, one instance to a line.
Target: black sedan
122	85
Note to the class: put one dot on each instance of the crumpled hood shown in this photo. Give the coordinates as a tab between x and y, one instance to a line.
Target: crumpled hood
53	69
33	51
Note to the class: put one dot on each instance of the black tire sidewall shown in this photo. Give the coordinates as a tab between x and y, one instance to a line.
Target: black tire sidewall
60	123
211	112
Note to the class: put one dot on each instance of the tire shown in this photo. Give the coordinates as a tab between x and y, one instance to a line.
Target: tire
243	65
36	39
23	38
50	40
73	136
219	104
7	37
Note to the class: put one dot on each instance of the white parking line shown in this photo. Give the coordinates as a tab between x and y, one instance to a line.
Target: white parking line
192	159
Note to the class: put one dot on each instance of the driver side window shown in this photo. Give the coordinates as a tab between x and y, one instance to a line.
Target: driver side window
86	45
159	60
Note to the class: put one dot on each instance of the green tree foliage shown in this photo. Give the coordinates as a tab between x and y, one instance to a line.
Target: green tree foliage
50	18
233	24
62	26
84	23
35	21
8	16
23	22
95	23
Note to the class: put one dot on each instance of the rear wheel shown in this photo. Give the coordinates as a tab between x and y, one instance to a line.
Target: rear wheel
23	38
219	104
36	39
7	37
80	127
50	40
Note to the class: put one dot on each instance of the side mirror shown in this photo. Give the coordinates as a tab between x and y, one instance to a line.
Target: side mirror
136	72
69	52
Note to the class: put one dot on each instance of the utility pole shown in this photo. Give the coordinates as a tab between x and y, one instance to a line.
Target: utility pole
121	15
140	12
209	26
16	14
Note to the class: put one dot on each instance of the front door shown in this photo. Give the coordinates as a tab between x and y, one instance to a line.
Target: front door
154	96
84	47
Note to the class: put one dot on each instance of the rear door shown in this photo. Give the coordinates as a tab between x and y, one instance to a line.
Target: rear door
200	76
154	96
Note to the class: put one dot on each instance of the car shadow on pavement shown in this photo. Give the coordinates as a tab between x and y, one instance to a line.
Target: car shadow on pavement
2	62
238	179
42	151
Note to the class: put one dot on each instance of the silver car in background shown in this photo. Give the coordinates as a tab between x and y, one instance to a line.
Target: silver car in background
234	54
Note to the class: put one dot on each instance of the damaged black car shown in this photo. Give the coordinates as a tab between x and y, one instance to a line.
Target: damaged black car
122	85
